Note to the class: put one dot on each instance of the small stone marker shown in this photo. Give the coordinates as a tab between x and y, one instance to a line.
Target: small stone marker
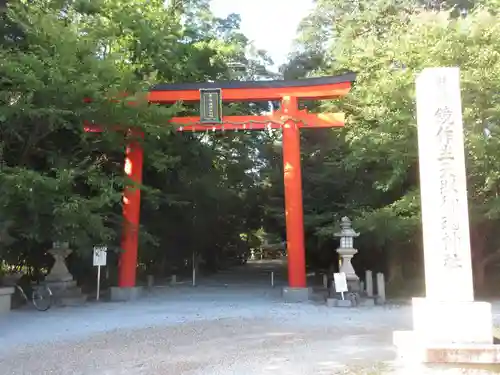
369	283
150	281
380	288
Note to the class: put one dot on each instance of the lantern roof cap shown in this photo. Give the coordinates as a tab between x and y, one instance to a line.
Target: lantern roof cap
346	228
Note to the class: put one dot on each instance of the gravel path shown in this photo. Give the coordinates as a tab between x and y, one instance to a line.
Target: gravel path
203	331
225	346
269	337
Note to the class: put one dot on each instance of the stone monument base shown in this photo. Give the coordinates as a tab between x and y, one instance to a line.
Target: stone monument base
119	294
354	285
334	302
368	301
350	300
293	295
448	332
66	293
412	351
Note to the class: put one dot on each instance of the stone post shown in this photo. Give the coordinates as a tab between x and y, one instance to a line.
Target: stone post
6	298
369	283
380	288
150	281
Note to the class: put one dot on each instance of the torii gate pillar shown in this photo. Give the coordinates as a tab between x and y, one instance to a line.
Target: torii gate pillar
293	204
127	263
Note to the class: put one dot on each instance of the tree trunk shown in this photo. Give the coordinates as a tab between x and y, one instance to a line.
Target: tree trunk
479	277
331	271
478	243
394	267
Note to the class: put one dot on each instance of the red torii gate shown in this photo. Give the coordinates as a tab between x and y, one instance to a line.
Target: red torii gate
288	118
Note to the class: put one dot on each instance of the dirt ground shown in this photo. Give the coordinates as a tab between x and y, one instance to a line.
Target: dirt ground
216	328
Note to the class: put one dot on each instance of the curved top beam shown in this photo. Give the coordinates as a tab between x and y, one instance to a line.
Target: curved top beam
306	82
310	88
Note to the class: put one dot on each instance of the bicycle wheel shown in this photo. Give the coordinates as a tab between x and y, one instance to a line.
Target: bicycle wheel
42	298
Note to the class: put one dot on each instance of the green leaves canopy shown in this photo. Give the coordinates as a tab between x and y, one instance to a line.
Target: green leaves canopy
60	183
369	170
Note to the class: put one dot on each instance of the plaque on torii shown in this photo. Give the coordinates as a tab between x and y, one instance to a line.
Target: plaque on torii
210	106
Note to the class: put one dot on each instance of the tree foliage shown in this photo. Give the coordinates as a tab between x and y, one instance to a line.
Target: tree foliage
60	183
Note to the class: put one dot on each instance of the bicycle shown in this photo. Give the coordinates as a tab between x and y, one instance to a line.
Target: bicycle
41	296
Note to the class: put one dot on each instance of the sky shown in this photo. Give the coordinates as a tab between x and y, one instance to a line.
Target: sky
265	23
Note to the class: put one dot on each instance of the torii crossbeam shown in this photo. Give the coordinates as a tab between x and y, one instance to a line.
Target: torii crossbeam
288	118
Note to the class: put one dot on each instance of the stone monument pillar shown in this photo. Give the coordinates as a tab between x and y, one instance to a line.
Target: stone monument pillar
447	323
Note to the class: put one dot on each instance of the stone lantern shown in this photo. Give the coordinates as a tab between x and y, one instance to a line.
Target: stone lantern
64	288
346	252
59	272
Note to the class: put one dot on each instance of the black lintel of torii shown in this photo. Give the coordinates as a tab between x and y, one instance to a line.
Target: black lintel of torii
306	82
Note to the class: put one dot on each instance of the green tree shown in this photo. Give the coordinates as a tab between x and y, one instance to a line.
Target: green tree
60	183
387	43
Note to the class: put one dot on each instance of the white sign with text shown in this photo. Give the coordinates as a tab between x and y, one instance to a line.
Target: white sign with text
100	255
340	281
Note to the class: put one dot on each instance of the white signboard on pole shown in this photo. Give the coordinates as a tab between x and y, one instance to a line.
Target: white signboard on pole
100	253
340	281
